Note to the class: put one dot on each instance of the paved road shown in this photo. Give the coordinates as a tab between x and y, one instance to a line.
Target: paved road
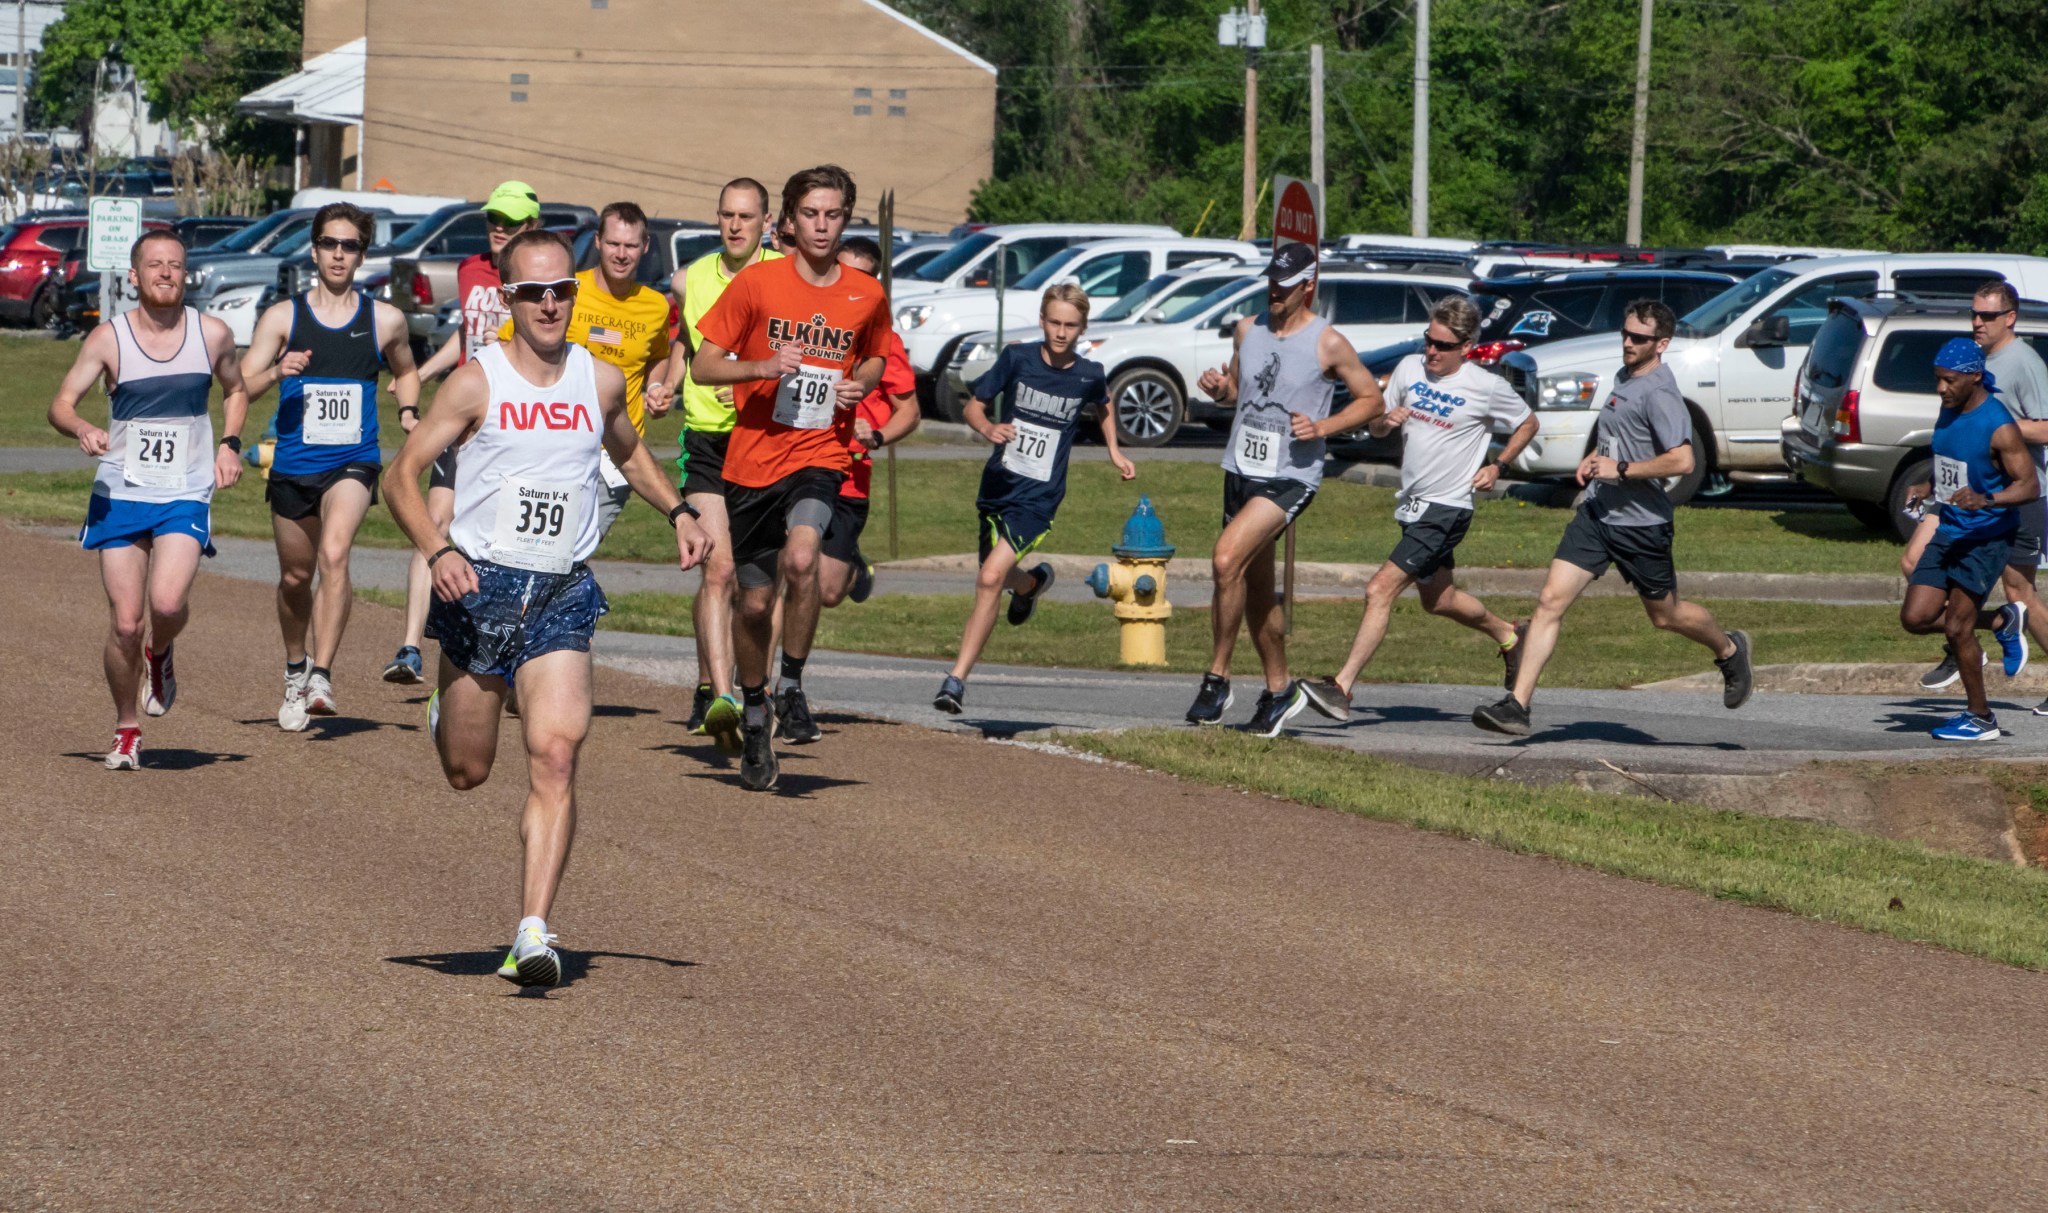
934	973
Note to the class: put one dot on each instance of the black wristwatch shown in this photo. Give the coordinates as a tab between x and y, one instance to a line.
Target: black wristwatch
232	442
684	507
1621	470
875	441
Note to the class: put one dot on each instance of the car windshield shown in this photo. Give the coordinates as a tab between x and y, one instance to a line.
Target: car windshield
292	246
414	235
1124	307
942	266
253	235
1227	291
1718	313
1190	298
1049	268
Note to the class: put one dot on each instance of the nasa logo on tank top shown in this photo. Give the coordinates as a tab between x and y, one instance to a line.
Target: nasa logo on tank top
526	482
159	433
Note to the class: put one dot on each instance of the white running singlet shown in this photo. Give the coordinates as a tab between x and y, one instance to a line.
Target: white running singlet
159	433
526	484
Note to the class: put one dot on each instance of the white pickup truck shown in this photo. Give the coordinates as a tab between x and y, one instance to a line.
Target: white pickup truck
1737	358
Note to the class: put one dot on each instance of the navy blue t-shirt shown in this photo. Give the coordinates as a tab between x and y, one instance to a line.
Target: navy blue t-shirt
1029	473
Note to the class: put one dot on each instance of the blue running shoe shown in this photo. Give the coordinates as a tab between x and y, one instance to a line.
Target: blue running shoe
406	668
2011	634
1965	727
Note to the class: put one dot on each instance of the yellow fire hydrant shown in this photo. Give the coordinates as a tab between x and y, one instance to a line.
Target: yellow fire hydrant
1138	585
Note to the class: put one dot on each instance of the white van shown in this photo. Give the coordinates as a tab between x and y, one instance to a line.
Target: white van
972	262
1737	358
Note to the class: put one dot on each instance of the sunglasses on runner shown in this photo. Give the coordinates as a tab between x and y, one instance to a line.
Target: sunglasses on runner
329	244
501	223
563	289
1631	337
1988	317
1440	346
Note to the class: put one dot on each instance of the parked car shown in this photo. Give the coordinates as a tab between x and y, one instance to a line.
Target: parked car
203	231
917	255
972	263
932	325
671	245
1737	358
1865	406
211	274
1520	311
423	258
449	229
29	252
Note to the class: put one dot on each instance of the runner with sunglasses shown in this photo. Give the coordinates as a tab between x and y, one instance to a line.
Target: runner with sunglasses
514	600
512	208
1644	435
1447	410
324	351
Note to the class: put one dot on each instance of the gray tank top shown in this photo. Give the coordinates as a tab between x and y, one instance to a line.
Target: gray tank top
1278	376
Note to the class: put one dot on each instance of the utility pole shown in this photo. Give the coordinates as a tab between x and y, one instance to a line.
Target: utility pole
1418	190
1315	122
1249	227
1641	136
20	69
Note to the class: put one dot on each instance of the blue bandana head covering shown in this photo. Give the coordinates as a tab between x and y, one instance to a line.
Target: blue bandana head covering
1962	356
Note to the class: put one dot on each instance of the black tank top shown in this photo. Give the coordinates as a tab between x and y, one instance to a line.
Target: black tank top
348	352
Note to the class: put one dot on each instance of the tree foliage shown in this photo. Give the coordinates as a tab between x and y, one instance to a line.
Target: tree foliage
194	59
1872	123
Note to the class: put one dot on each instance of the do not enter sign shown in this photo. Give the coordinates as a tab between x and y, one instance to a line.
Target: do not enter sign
1297	211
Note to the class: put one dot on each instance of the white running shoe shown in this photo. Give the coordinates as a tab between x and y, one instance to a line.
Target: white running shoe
531	962
127	752
160	687
319	695
292	716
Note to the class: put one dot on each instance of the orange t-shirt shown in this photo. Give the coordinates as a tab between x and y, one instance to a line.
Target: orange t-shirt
839	327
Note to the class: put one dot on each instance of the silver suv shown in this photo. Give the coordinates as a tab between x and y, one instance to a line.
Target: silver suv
1864	405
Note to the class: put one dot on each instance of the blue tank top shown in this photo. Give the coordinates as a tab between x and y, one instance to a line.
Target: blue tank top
1963	457
327	417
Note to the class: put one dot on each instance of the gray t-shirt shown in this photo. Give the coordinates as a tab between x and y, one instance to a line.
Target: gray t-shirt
1644	417
1445	437
2022	382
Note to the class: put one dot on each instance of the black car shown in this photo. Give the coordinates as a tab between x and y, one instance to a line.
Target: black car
201	231
1524	310
671	245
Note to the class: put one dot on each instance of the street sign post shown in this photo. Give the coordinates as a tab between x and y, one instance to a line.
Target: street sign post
1297	215
112	227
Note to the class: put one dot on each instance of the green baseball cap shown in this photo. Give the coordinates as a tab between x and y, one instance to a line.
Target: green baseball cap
515	200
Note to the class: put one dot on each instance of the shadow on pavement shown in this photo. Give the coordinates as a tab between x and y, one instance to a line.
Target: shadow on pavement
1397	715
788	785
620	709
170	760
575	965
1620	734
1004	730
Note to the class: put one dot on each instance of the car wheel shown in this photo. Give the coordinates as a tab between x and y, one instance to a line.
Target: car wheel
1682	489
44	312
947	404
1872	514
1916	471
1221	424
1148	407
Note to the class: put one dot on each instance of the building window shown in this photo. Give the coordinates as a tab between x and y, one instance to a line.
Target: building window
600	3
863	92
898	94
520	78
898	111
518	97
863	111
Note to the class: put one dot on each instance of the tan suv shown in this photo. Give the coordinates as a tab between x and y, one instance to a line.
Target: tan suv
1864	407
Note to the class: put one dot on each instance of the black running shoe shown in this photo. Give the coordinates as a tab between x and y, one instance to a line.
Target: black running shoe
1944	673
758	768
952	696
1737	679
700	703
1508	716
1512	658
1275	709
1326	697
863	579
793	722
1021	605
1211	701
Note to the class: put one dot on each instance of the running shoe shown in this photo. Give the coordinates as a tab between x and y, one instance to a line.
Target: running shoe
434	715
532	962
406	667
161	691
292	716
2011	634
1326	697
2041	708
127	752
1211	701
1275	709
1021	605
1945	673
722	723
863	579
700	703
952	696
319	695
793	722
758	768
1512	657
1737	678
1964	726
1508	716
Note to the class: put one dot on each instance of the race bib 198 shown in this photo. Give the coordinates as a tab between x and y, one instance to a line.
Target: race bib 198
1030	454
333	414
157	454
1951	476
537	525
1258	451
806	400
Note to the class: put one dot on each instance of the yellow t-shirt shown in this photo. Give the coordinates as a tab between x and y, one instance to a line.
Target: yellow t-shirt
703	282
629	333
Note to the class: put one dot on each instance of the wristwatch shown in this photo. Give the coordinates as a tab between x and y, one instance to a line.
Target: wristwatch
232	442
874	441
1621	470
683	507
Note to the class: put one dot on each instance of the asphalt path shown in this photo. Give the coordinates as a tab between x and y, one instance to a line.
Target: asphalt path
930	973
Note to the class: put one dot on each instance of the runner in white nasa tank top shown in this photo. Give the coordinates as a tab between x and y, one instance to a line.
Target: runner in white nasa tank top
514	601
150	515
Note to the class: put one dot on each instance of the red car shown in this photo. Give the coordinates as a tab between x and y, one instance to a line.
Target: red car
31	253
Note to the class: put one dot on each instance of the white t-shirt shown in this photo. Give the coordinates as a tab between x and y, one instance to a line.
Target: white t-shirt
1449	424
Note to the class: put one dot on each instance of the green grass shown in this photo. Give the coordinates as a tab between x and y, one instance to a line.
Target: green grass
1982	908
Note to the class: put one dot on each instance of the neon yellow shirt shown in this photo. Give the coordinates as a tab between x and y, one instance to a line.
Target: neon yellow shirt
629	333
703	283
